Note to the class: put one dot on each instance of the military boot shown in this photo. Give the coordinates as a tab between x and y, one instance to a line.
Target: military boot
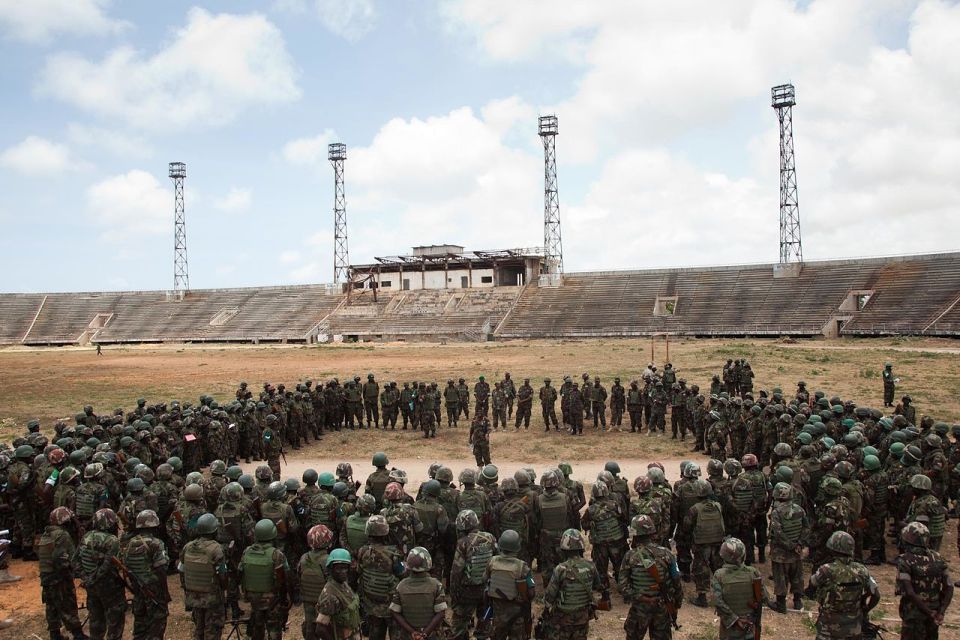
781	604
701	600
6	577
797	602
80	635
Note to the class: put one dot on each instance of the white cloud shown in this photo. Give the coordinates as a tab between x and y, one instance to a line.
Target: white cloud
39	20
235	200
131	205
349	19
309	151
116	142
215	68
37	156
290	257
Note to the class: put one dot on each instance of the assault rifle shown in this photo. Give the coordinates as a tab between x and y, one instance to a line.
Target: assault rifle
669	605
757	606
134	584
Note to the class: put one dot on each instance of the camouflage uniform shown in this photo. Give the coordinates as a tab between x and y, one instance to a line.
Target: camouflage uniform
106	601
650	581
204	568
568	599
481	395
480	440
371	397
840	587
269	599
451	401
618	402
464	392
470	559
56	552
789	527
379	568
499	408
418	599
146	558
548	401
925	574
509	591
339	607
524	405
738	594
608	545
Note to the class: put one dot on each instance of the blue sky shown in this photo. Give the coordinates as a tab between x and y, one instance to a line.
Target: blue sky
667	149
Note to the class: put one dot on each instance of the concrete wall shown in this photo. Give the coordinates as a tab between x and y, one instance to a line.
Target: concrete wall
435	279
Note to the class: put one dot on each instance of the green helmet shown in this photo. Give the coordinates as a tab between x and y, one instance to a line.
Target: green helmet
509	541
135	485
841	542
871	463
380	459
782	491
784	474
915	534
468	476
265	530
218	467
366	504
234	472
565	469
175	462
310	476
869	451
733	551
339	556
419	560
246	481
489	472
291	484
571	539
207	524
233	492
24	451
431	488
276	491
612	466
444	474
896	449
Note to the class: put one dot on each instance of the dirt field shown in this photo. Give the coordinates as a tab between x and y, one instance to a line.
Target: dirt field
54	383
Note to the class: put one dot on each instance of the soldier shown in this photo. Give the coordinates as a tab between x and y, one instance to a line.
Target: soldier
145	560
435	522
738	594
574	491
428	404
602	520
272	445
378	480
235	533
510	590
875	497
565	400
464	391
618	399
649	581
418	603
481	395
524	404
353	397
499	408
338	607
907	410
379	568
598	403
472	498
926	508
276	510
789	527
371	397
575	408
889	384
513	514
389	406
264	577
705	522
658	405
21	485
91	495
56	549
451	400
832	516
312	573
683	498
406	404
585	391
203	569
551	516
401	516
322	507
634	400
568	599
106	604
923	583
548	402
845	590
480	439
473	551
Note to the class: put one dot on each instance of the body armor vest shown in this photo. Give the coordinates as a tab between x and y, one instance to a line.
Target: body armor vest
737	589
428	516
605	526
473	499
356	531
322	505
258	569
926	578
844	593
377	584
743	495
480	549
513	516
48	540
416	599
641	576
553	511
349	615
198	573
880	497
854	492
91	554
137	561
230	516
87	499
505	572
709	528
312	577
930	506
273	510
378	482
791	522
576	590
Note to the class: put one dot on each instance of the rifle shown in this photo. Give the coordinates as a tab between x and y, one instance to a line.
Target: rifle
758	606
132	583
669	605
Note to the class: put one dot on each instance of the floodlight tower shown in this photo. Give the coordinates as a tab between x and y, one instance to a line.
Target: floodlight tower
552	245
181	277
791	249
337	154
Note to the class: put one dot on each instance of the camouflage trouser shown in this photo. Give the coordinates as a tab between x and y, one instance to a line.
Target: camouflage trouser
682	541
916	625
372	412
706	560
467	608
267	624
562	626
60	598
509	622
499	417
787	576
23	514
354	411
208	622
309	626
599	415
603	555
649	618
636	417
274	464
482	453
873	539
657	420
427	424
549	415
149	620
736	633
452	410
107	610
523	415
549	553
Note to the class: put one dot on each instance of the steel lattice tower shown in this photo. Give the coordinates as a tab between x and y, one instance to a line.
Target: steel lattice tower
337	153
181	276
552	245
791	248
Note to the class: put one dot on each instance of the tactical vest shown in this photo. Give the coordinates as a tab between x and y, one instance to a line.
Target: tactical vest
258	569
87	499
473	499
505	572
553	512
688	496
230	516
312	577
743	495
45	548
273	510
759	482
321	505
605	526
91	554
642	580
163	500
417	594
737	585
378	482
513	515
480	551
428	516
199	574
880	496
356	531
854	492
349	615
709	528
791	523
576	590
843	592
926	577
377	584
137	560
930	506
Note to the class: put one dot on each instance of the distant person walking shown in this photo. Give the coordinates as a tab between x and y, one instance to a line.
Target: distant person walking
99	350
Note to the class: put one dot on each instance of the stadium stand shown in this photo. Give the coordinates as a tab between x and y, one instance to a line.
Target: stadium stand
911	295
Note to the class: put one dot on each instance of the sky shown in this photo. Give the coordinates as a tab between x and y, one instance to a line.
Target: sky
667	153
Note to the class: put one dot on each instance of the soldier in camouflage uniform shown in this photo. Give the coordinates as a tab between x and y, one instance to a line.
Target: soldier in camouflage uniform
875	496
551	516
267	585
472	554
371	398
464	391
275	509
480	438
575	407
235	533
203	570
499	408
649	581
845	590
683	498
524	404
56	551
568	602
106	603
927	508
146	560
428	403
338	607
704	521
403	519
738	594
634	400
451	401
433	517
379	568
21	483
602	521
353	528
510	590
548	402
322	507
923	584
312	574
789	527
832	516
481	395
418	604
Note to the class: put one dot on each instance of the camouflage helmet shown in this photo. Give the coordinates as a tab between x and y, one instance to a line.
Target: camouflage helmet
147	519
146	474
165	471
656	475
393	492
600	490
176	463
319	537
844	470
276	491
783	450
135	485
523	480
607	478
467	520
642	484
912	455
265	530
366	504
56	456
714	467
642	525
831	486
344	470
732	467
565	468
93	471
232	492
61	516
396	475
704	489
377	526
841	542
921	482
692	470
207	524
782	491
193	493
733	551
509	485
419	560
468	476
915	534
431	488
68	475
263	473
218	467
871	462
105	520
444	474
571	540
551	479
509	541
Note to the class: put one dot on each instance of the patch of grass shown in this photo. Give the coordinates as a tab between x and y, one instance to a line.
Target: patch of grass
869	373
705	632
809	623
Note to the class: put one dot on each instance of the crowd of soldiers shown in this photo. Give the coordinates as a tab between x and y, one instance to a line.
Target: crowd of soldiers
817	485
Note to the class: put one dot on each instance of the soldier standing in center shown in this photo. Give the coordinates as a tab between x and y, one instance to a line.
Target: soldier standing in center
548	401
598	403
265	578
464	392
499	408
575	409
705	522
419	605
480	441
618	402
738	594
509	392
568	600
789	527
56	550
203	571
524	404
371	398
481	395
649	581
551	516
451	400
